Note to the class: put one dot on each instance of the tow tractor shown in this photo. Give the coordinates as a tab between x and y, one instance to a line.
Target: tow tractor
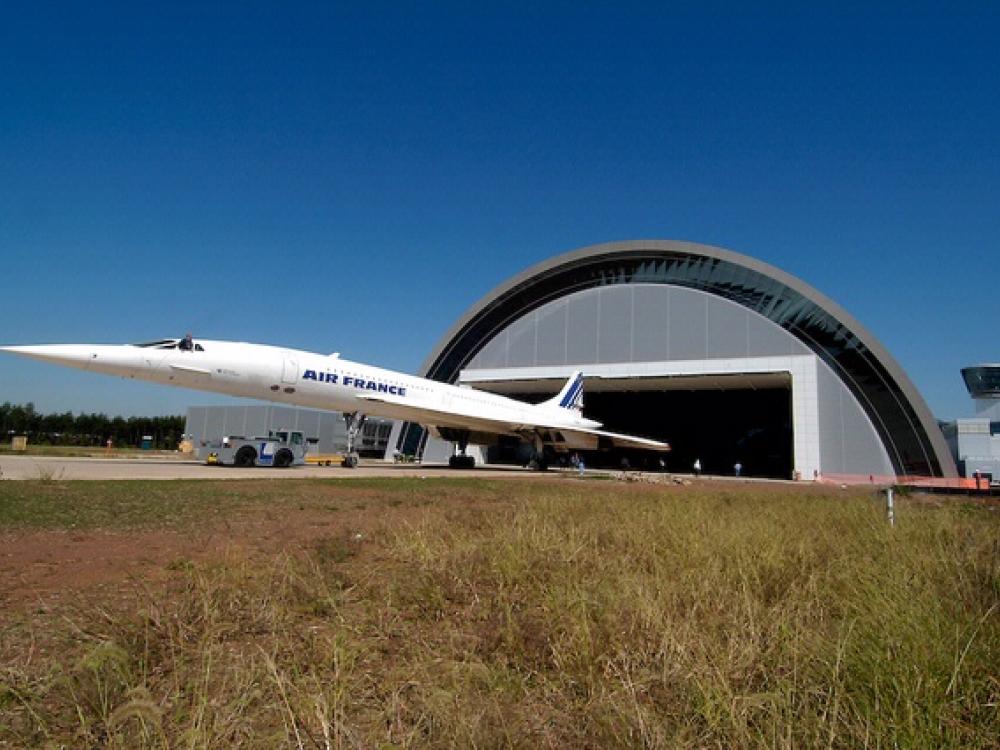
280	449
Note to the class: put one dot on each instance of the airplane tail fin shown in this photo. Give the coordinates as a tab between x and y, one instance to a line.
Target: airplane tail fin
571	395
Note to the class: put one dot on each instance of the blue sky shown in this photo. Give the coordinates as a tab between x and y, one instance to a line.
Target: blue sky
353	177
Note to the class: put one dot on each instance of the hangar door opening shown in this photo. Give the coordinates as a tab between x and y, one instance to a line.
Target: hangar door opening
721	421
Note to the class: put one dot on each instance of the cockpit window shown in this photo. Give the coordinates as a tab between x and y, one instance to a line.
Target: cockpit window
161	344
167	344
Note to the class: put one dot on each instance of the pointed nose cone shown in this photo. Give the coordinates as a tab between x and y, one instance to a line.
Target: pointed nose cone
100	357
71	355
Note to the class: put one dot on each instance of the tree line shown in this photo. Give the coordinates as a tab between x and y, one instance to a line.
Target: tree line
87	429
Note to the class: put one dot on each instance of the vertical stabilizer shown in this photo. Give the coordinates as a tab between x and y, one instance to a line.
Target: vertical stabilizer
571	395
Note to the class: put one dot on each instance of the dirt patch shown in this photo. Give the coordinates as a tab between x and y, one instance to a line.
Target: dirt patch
35	565
39	566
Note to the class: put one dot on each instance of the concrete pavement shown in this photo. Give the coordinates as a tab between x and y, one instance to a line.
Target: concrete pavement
59	468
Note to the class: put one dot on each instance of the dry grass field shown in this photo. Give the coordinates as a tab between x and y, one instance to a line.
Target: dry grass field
468	613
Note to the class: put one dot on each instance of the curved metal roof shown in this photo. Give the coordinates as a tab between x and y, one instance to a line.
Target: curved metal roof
906	426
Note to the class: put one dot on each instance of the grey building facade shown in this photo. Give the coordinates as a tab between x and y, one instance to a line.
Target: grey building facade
325	430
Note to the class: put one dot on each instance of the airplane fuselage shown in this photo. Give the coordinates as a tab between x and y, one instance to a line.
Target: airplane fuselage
293	377
329	382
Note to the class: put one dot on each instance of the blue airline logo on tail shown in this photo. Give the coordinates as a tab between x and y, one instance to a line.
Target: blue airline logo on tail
574	395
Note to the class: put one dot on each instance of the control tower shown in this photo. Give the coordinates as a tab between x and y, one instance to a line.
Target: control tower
983	382
975	442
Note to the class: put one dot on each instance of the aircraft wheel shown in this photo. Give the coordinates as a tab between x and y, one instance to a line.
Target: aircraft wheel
349	462
245	456
537	463
462	462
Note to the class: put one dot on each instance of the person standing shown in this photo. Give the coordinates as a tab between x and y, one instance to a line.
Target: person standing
738	468
697	467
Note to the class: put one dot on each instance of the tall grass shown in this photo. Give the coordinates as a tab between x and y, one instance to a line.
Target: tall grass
587	617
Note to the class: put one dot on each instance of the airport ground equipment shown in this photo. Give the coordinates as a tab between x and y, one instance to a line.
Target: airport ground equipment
324	459
280	449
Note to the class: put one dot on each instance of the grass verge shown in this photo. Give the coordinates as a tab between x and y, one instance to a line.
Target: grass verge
556	614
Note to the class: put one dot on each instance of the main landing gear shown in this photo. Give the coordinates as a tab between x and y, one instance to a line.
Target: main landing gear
354	421
462	461
539	461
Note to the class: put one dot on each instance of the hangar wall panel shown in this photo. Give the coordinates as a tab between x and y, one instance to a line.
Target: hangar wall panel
688	323
614	324
635	323
848	441
581	343
726	330
550	334
521	340
650	343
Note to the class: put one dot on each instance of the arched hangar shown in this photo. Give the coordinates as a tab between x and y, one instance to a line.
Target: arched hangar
726	357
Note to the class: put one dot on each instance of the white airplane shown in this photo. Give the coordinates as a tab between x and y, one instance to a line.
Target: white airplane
454	413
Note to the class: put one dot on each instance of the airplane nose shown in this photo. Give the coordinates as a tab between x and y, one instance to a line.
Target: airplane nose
111	359
72	355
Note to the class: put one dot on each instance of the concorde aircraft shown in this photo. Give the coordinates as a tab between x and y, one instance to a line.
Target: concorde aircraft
454	413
